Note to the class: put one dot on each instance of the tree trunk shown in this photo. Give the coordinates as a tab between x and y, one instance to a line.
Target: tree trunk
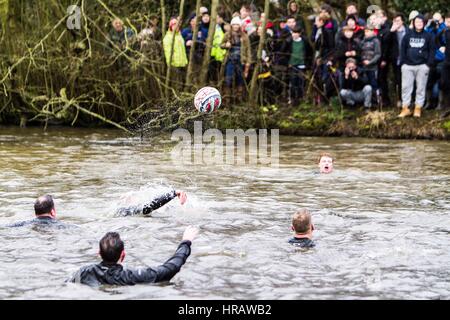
163	18
194	43
209	41
169	67
253	87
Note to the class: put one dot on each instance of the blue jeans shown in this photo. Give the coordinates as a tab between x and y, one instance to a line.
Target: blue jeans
234	70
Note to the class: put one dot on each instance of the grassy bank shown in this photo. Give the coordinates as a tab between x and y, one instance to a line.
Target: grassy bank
308	120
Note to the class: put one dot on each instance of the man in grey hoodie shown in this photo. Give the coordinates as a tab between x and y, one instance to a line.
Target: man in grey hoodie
416	57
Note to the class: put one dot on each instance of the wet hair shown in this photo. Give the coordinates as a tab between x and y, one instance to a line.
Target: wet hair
111	246
301	221
43	205
326	154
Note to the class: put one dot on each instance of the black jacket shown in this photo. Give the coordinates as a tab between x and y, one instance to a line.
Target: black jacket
393	46
147	208
324	45
115	274
282	46
384	37
354	84
343	45
417	48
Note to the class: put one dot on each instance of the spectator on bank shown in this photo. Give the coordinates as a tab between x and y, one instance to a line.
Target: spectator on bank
298	62
352	10
355	86
188	33
324	51
293	10
412	15
397	33
175	51
370	56
246	20
217	53
444	95
120	36
282	43
358	30
436	26
348	46
384	27
238	58
417	53
149	39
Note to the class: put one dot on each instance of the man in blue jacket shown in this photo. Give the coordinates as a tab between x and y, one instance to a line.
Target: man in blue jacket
416	58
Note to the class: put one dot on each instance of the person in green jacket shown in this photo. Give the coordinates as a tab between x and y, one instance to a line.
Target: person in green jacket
179	58
176	59
217	53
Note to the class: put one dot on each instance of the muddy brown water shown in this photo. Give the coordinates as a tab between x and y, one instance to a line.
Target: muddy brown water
382	218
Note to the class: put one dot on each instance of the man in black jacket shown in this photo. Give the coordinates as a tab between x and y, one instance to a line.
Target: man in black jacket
396	35
384	37
355	87
111	272
417	56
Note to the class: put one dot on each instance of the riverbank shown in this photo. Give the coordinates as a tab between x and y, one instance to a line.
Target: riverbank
303	120
308	120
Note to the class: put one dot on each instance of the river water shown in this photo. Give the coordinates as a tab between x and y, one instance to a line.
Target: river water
382	218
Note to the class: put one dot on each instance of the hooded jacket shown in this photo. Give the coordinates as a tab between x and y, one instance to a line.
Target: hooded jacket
179	58
116	274
417	48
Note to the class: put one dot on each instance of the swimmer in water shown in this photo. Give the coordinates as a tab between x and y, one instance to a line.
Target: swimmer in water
303	229
111	272
132	208
45	212
325	163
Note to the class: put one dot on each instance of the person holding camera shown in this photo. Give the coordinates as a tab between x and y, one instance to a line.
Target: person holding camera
355	86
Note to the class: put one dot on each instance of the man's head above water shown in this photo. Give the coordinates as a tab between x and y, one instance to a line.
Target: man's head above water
45	207
325	162
301	224
112	248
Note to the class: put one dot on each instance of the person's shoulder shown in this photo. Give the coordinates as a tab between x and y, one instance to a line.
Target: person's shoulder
303	243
